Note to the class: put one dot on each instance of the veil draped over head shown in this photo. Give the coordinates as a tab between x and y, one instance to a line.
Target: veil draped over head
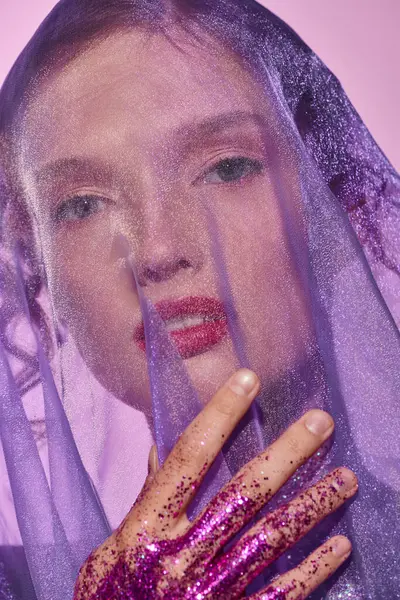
283	258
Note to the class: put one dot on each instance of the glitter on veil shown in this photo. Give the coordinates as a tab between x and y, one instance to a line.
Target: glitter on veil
302	267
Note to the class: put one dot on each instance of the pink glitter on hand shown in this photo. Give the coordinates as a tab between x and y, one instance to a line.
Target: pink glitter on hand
139	563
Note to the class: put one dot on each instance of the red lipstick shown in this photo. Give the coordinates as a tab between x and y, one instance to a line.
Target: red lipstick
195	323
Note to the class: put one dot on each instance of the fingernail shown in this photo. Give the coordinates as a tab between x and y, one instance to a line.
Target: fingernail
243	382
345	480
318	422
341	547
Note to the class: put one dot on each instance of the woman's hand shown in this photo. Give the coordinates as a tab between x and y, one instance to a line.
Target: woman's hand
157	553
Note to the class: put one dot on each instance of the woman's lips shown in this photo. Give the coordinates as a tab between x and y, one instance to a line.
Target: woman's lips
195	324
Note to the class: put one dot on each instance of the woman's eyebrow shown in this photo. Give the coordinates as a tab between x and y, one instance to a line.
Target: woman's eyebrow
74	166
218	123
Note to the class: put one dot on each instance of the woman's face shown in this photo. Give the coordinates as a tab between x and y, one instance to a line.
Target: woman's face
145	139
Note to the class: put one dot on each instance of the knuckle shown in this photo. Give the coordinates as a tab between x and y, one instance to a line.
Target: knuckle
276	538
226	404
293	444
183	456
184	460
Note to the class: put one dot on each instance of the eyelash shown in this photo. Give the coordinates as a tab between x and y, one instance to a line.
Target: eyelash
74	204
251	166
247	167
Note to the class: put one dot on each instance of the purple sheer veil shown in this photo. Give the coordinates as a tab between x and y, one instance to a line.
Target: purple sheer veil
318	317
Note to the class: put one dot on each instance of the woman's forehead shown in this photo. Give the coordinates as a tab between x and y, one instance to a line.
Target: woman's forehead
137	85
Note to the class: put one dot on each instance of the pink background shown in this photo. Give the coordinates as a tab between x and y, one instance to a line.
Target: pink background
357	39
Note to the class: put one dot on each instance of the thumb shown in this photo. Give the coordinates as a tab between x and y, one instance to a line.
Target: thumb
153	464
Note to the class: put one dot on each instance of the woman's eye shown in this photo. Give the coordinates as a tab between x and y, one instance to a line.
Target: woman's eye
79	208
233	169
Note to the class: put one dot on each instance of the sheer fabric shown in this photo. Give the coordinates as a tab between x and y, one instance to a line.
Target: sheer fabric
284	259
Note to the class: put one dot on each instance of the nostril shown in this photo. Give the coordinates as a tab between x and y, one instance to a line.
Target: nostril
153	276
165	271
183	264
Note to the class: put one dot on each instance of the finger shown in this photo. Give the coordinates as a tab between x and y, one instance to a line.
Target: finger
261	478
300	582
177	481
282	528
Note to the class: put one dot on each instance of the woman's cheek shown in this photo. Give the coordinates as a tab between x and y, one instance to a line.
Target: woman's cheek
268	295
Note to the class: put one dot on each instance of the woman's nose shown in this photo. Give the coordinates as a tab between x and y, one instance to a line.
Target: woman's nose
169	250
157	270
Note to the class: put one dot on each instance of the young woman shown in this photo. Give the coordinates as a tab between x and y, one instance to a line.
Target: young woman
186	191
